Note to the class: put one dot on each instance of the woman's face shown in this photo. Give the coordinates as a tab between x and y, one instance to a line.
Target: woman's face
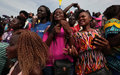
84	19
11	50
14	24
41	12
59	15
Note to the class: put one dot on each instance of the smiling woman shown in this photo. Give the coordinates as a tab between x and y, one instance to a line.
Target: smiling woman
89	43
55	38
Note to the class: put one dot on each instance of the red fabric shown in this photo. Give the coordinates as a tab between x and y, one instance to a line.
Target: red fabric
75	28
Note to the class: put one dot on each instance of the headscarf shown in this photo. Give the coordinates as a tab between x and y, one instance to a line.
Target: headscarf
112	26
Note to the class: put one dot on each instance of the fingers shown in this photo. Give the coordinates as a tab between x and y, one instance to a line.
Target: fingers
65	49
56	29
68	50
75	53
63	22
102	38
71	51
100	42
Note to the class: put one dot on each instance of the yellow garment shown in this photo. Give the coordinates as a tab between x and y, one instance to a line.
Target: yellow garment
112	22
60	2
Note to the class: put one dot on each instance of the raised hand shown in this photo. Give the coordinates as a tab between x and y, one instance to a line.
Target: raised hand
71	51
102	43
56	29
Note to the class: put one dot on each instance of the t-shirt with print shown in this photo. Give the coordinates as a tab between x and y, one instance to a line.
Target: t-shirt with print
40	28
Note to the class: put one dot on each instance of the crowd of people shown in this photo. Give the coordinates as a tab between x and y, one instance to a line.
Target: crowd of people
62	42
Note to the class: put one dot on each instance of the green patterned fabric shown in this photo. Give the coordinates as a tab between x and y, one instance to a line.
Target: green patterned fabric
2	55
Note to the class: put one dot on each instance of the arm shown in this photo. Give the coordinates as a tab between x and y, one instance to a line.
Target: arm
52	34
68	7
49	39
68	31
34	20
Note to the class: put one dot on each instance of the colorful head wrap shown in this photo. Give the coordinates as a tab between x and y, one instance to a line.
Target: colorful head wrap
112	26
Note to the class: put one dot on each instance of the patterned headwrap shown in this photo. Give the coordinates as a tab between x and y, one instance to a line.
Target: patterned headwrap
112	26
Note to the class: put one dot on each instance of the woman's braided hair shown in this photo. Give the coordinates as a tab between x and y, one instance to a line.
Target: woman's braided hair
31	51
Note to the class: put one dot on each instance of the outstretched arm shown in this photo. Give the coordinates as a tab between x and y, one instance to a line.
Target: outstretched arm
73	4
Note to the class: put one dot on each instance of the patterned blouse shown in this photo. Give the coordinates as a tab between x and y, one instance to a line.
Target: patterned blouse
89	59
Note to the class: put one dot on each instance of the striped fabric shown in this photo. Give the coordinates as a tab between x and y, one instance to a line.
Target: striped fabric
2	55
89	60
113	61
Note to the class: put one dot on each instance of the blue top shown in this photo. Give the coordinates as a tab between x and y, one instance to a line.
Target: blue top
40	28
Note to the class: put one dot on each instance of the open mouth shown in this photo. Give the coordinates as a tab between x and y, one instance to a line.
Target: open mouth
81	21
57	16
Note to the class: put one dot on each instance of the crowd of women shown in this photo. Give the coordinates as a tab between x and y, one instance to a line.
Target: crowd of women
61	42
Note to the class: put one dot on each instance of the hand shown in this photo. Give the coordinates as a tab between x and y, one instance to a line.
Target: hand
34	19
101	43
64	22
74	4
56	29
71	51
66	27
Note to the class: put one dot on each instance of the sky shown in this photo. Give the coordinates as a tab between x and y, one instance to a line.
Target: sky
12	7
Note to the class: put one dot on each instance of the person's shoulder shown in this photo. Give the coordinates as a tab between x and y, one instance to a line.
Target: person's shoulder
48	23
47	28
